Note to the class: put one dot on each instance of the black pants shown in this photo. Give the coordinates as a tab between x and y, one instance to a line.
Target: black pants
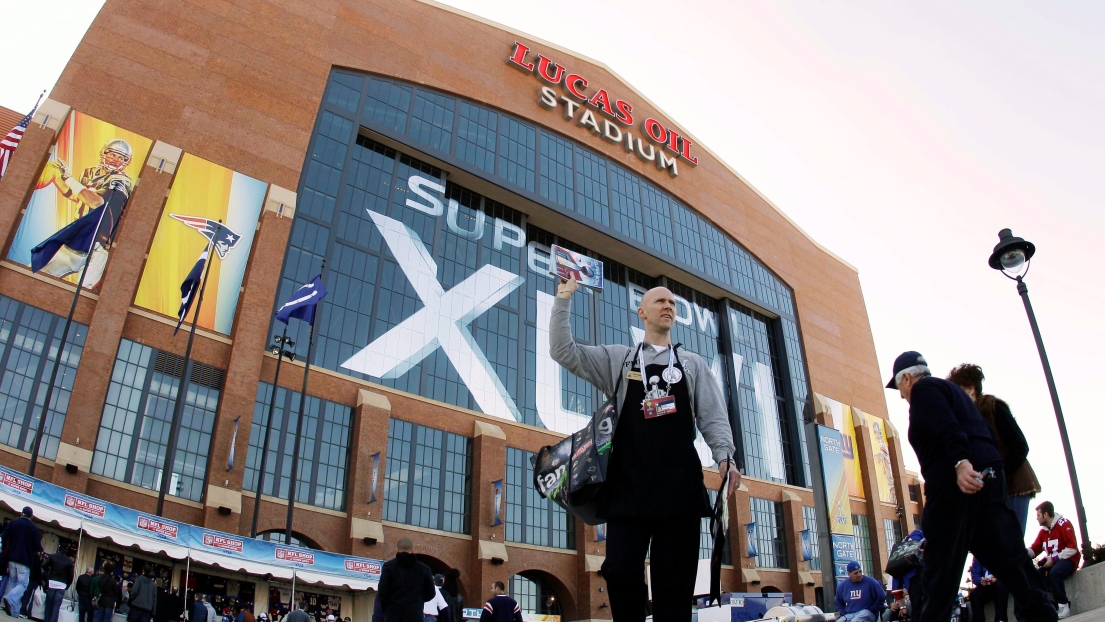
84	608
673	563
957	523
982	595
1056	577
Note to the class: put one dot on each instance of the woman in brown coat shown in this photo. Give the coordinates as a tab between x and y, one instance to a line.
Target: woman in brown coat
1020	478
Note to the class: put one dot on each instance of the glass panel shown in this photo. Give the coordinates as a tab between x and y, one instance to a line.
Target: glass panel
771	533
137	415
529	518
428	477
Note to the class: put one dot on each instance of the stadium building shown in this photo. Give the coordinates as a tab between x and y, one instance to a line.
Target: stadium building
423	161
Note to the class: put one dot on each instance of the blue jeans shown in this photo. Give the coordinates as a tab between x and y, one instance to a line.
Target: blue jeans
18	577
1056	576
53	604
859	616
1019	505
103	614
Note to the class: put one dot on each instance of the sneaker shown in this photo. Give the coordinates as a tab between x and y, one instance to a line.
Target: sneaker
1064	611
5	606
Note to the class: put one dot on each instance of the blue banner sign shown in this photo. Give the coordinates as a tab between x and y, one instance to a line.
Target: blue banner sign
18	488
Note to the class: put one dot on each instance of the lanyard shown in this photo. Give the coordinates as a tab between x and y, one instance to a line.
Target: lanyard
641	366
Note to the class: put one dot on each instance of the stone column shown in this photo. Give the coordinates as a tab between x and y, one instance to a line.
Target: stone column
120	282
367	454
243	369
901	483
800	578
489	561
590	553
865	454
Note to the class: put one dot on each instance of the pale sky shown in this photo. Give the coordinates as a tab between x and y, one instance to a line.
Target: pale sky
900	136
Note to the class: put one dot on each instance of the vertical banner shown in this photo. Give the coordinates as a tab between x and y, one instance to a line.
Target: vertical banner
497	490
831	445
750	528
884	471
203	194
600	533
807	550
233	440
844	422
375	477
92	164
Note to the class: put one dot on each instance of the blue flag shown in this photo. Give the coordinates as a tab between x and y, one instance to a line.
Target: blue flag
77	235
191	286
303	302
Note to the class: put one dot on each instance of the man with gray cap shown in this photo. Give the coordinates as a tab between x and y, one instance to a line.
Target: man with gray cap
964	495
22	544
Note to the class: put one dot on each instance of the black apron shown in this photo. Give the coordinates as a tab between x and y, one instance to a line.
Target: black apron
654	468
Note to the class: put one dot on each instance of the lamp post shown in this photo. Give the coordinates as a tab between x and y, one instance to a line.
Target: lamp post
278	350
1012	256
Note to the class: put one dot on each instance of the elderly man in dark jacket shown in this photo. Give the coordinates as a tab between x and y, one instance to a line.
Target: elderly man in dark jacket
22	544
405	585
965	507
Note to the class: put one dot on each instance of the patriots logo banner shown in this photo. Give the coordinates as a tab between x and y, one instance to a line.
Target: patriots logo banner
217	233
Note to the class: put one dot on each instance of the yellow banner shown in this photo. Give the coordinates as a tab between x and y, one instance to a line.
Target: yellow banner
206	201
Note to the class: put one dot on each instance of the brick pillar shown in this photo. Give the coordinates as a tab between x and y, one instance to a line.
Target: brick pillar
590	554
120	282
488	465
243	369
27	162
865	454
799	569
366	471
901	483
740	514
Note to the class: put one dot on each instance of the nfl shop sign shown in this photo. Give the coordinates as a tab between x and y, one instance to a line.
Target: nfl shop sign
581	100
353	565
222	542
85	506
17	483
295	557
158	527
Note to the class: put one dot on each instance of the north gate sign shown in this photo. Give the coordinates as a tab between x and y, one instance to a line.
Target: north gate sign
666	146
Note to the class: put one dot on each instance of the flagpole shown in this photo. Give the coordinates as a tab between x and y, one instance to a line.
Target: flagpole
41	427
293	479
265	443
178	407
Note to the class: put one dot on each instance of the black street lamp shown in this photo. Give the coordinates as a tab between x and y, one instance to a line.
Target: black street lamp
278	350
1012	256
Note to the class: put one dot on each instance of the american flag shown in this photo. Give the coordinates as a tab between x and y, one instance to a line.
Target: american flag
11	141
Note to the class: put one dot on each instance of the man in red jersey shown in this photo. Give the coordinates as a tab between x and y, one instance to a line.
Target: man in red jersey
1057	540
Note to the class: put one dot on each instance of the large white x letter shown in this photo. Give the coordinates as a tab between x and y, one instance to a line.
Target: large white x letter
442	323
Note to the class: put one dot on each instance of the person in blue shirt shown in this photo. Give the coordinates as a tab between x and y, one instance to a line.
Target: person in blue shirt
859	598
985	589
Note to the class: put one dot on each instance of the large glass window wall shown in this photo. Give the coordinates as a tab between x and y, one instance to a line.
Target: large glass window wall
26	333
529	518
442	292
428	479
138	411
323	448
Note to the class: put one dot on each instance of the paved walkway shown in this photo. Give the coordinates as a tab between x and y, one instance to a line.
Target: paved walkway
1089	616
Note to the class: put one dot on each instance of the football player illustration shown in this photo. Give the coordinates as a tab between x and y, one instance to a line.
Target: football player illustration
106	185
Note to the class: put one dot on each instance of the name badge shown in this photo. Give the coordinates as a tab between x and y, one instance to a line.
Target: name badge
634	375
659	406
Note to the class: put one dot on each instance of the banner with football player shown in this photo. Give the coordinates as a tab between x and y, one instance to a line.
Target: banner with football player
92	171
212	204
843	421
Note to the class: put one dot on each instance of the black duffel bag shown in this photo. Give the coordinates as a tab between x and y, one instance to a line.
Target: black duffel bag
905	556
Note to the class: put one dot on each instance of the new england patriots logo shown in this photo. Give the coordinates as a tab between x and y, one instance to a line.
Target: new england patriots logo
223	238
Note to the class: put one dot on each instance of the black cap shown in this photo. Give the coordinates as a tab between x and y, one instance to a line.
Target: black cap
27	511
905	360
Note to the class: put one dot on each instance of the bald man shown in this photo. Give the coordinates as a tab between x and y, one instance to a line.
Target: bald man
654	489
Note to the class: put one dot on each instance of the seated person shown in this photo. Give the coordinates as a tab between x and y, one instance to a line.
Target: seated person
985	590
899	606
859	598
1057	540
